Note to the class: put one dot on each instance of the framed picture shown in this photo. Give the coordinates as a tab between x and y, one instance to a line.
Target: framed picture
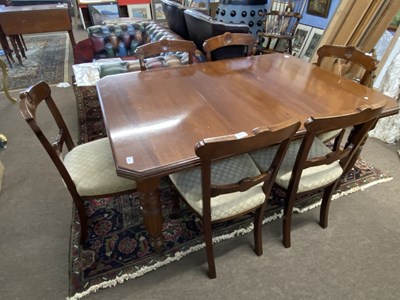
139	11
157	10
311	44
102	11
319	8
300	38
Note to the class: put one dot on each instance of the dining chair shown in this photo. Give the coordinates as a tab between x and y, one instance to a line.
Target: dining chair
311	167
228	184
280	24
87	170
349	54
149	51
227	40
342	56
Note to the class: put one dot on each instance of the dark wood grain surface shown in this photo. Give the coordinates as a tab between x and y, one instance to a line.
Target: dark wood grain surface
157	116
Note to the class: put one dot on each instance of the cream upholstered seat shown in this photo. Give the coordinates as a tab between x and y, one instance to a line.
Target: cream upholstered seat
228	184
92	169
88	170
310	166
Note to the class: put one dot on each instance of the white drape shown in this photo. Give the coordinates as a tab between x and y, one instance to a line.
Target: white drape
388	129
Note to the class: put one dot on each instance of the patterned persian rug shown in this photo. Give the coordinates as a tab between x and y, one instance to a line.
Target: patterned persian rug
47	59
118	248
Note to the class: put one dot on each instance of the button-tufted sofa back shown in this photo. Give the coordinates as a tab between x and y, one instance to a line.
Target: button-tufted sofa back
123	39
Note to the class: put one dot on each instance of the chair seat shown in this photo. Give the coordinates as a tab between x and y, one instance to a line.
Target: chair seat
226	171
312	177
92	168
327	136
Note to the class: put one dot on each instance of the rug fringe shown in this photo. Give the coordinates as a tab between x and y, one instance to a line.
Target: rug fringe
178	255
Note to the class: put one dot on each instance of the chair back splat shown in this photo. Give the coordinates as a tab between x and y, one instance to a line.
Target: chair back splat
87	170
164	46
311	167
228	184
227	40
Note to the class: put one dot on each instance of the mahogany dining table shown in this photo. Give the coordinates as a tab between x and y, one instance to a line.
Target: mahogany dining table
154	118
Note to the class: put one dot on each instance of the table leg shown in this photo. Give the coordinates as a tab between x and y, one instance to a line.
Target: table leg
6	48
72	38
151	210
15	47
20	46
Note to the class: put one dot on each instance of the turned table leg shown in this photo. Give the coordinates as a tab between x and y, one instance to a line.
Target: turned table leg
151	210
15	47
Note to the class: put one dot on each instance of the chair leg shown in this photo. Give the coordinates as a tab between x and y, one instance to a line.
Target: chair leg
326	201
258	218
175	200
82	219
209	248
287	219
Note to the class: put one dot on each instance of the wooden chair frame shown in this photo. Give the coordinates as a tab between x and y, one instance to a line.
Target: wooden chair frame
212	149
163	46
229	39
30	100
350	54
280	23
361	122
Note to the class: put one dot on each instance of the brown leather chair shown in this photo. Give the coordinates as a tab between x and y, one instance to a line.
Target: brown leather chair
310	166
88	170
165	46
228	40
228	184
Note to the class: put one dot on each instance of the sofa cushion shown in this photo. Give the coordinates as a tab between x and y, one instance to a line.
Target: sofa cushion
202	27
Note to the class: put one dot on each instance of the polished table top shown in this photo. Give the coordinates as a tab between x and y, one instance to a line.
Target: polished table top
154	118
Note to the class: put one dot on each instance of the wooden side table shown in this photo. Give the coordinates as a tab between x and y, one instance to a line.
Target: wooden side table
17	20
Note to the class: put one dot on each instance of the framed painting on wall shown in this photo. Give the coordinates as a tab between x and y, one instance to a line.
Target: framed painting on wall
311	44
157	10
300	38
319	8
102	11
139	11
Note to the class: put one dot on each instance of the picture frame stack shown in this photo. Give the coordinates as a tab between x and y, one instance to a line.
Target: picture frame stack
306	41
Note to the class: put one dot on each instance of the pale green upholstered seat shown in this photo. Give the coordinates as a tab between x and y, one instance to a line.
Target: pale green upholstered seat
226	171
92	168
312	177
